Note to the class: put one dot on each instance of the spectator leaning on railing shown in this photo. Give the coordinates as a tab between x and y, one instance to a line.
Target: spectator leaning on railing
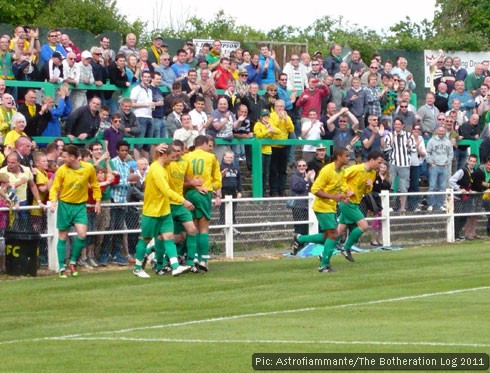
300	185
481	183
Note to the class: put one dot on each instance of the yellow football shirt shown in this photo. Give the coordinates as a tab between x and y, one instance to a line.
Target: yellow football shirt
71	185
355	179
176	176
330	181
204	165
156	200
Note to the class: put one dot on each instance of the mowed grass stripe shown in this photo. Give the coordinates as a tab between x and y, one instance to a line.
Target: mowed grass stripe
36	311
232	288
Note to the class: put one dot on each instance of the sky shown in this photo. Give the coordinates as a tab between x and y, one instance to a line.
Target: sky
266	15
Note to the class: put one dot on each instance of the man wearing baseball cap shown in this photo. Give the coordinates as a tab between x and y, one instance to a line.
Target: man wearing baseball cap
320	159
156	50
52	70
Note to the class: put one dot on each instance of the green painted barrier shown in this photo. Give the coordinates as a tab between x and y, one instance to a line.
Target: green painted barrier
256	144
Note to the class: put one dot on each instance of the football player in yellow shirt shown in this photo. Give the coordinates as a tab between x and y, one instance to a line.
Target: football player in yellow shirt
181	212
327	189
359	180
68	196
205	166
156	220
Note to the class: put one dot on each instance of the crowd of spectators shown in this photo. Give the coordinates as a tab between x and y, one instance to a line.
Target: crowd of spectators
363	104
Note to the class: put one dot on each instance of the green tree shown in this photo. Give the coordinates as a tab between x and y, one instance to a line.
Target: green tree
21	12
463	24
94	16
409	35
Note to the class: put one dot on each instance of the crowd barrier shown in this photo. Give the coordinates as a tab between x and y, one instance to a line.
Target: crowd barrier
255	220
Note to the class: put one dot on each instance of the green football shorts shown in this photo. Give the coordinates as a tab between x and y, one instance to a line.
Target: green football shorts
69	214
349	213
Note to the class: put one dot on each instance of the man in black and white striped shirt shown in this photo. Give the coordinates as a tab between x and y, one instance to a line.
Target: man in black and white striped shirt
400	145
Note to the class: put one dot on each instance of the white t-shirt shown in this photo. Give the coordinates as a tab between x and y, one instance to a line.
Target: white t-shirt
313	134
142	95
199	119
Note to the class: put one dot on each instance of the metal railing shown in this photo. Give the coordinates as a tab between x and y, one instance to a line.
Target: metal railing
261	206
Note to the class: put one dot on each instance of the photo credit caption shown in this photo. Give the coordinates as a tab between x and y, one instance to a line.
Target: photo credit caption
371	361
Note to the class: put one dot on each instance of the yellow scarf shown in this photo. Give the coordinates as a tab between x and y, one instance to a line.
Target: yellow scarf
32	109
156	52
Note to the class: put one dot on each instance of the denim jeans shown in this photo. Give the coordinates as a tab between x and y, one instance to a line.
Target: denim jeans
159	128
413	201
461	156
111	103
238	151
437	183
146	126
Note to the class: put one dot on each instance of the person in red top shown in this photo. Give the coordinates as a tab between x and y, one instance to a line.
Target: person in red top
222	74
311	98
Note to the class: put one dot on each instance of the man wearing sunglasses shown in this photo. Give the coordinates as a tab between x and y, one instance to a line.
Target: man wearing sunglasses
51	47
408	117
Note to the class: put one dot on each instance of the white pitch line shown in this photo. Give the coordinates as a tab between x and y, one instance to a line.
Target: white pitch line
269	341
258	314
299	310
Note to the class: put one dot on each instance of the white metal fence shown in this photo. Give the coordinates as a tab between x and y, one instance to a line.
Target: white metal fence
276	207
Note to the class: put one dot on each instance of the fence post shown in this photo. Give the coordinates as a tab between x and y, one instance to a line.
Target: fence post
257	186
313	222
229	226
450	215
385	214
52	240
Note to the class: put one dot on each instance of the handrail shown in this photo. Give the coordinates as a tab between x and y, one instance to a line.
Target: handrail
256	144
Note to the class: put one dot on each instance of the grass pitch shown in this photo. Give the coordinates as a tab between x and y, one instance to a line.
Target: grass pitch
428	299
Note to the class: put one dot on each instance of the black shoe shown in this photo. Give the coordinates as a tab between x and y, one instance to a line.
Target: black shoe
296	245
201	265
459	239
326	269
164	271
348	255
196	270
320	257
160	272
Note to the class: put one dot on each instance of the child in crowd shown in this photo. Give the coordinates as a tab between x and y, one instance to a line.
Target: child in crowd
382	182
104	112
5	201
85	154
